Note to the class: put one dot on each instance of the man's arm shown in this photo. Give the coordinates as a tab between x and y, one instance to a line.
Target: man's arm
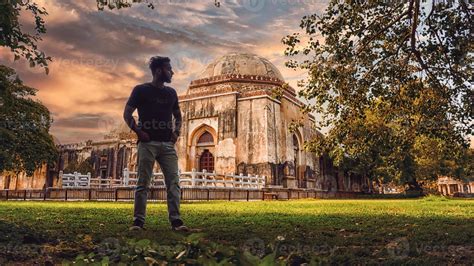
177	122
177	118
128	117
132	103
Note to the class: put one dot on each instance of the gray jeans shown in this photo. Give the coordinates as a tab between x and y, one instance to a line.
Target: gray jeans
165	154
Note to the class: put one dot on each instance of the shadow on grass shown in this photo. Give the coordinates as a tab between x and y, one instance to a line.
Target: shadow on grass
20	243
339	231
339	238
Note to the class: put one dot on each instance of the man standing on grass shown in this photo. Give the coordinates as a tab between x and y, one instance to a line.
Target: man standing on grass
156	104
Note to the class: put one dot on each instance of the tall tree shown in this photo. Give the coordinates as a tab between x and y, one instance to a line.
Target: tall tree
385	75
12	34
25	143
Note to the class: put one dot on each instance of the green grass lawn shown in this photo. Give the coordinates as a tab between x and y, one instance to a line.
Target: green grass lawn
413	231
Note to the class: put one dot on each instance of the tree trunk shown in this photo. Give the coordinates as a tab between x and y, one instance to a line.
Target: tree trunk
16	181
414	187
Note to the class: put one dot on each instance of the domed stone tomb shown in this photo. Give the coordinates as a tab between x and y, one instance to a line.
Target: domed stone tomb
233	124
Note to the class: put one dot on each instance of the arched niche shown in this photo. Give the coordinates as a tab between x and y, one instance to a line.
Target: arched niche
201	149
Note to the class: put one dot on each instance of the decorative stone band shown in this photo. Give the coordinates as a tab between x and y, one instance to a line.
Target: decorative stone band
241	94
187	98
207	93
235	78
288	92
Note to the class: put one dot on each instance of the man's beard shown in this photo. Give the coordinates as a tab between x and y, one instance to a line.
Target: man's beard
166	79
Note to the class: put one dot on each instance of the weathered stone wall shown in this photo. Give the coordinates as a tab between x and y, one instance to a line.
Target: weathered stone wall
306	168
118	154
274	131
225	156
9	180
217	115
252	142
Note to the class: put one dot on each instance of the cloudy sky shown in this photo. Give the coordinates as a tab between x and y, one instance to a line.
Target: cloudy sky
98	56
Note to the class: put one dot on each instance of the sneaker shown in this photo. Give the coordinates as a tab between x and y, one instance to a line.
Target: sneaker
137	225
178	226
182	228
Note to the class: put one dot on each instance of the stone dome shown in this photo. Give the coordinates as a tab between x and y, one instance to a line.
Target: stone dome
241	64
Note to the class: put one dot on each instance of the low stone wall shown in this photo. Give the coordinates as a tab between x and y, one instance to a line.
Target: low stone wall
159	194
463	195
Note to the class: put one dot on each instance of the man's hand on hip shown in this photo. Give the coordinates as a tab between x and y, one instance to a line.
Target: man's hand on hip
143	136
174	137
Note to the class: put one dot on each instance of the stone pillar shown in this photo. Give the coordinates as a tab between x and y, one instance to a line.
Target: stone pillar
311	183
289	182
114	163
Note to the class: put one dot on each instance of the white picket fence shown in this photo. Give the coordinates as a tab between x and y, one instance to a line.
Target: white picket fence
202	179
191	179
75	180
78	180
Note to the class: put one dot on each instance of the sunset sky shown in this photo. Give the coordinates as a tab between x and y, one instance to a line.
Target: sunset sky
99	56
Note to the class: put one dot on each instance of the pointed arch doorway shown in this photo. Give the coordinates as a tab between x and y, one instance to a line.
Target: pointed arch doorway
206	161
297	161
202	149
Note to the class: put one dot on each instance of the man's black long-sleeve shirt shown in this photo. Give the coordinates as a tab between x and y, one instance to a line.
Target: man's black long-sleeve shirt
156	106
